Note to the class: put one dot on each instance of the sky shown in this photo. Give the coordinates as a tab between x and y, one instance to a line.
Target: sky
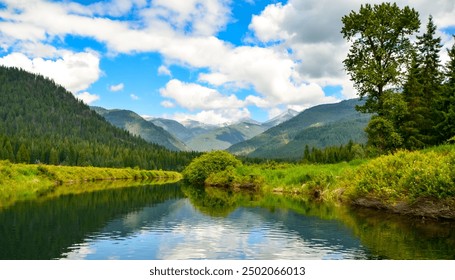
214	61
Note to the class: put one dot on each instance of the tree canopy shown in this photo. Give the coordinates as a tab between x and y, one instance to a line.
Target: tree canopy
406	89
380	49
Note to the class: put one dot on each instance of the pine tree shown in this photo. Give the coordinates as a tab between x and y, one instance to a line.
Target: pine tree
422	90
23	154
446	127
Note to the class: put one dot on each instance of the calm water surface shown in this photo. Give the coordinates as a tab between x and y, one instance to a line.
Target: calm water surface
178	222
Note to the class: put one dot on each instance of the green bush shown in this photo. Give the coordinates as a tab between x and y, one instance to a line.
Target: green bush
406	176
210	163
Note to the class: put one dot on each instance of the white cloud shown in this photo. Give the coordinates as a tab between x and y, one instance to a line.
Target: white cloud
117	87
87	97
167	104
274	112
193	96
163	70
216	79
215	117
196	17
114	7
134	96
75	71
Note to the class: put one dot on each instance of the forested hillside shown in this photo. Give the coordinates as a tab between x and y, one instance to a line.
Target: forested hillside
40	121
136	125
320	126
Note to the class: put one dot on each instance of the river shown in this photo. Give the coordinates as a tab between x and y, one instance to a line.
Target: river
172	221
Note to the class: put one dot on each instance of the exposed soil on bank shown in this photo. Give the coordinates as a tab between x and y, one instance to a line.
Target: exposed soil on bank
422	207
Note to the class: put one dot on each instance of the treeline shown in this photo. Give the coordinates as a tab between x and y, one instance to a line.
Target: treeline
406	86
41	122
334	154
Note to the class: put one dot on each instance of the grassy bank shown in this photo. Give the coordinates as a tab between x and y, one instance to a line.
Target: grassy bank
420	183
29	181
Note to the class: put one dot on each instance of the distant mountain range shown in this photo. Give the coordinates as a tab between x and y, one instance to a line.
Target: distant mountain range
320	126
283	137
202	137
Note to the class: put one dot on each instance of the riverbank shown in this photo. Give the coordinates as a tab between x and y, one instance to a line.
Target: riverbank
30	181
418	183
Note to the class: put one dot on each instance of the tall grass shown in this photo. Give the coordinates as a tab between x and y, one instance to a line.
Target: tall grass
408	179
29	181
406	176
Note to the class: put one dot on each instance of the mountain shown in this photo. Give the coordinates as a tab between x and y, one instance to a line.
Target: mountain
186	131
136	125
41	121
203	137
285	116
223	137
320	126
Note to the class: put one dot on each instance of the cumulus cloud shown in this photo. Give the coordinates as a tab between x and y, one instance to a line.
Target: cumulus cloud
87	97
196	17
163	70
215	117
193	96
134	96
117	87
75	71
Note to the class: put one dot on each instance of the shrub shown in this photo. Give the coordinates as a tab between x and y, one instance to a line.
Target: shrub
406	175
210	163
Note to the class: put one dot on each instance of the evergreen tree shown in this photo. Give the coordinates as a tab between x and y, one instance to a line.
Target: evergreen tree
422	91
446	127
23	154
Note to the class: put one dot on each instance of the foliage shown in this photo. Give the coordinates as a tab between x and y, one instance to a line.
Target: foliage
382	135
213	162
406	176
334	154
446	103
403	82
380	49
42	122
422	92
29	181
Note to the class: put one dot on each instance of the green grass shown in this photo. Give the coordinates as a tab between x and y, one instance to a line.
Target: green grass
300	179
406	176
417	182
30	181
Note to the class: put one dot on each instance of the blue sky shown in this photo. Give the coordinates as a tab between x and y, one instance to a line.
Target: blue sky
214	61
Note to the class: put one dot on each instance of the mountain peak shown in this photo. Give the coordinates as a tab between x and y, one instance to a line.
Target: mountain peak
281	118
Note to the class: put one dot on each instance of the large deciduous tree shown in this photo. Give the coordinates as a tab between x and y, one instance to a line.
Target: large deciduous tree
379	53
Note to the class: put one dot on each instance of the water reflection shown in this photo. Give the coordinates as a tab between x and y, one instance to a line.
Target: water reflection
178	222
45	229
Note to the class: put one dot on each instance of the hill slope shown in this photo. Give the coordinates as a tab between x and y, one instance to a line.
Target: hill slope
136	125
184	132
320	126
42	122
224	137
